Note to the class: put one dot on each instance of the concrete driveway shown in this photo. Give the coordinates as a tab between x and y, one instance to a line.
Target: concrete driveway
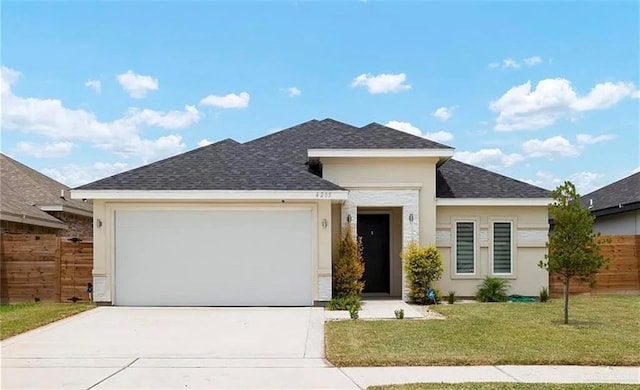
119	348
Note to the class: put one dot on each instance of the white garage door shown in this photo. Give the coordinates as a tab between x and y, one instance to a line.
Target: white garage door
200	257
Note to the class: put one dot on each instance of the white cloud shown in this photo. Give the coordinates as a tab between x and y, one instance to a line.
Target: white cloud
123	136
545	180
95	85
75	175
137	85
230	100
588	139
8	77
493	65
404	126
439	136
443	113
586	181
204	142
46	150
522	107
382	83
510	63
291	91
489	158
557	146
532	61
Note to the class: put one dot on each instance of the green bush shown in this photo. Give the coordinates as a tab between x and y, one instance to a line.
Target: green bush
353	313
493	290
452	297
423	266
399	314
344	303
544	294
348	267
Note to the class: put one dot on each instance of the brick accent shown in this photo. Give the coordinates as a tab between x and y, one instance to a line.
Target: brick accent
78	226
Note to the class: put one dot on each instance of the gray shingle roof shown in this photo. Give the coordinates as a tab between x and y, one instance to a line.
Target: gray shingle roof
225	165
292	144
455	179
622	192
24	190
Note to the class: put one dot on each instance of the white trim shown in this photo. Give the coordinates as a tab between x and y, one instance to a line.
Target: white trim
492	246
31	221
380	153
382	185
493	201
454	248
209	194
66	209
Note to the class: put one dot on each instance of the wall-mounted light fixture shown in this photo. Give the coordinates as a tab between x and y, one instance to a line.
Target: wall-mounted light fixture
349	218
98	222
411	217
324	223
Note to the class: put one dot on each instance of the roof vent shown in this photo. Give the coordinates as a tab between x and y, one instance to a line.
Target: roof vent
64	194
590	203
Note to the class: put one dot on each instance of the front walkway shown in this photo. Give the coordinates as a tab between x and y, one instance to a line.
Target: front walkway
378	309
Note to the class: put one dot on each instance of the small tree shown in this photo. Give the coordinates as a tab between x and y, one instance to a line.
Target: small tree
348	268
423	266
574	251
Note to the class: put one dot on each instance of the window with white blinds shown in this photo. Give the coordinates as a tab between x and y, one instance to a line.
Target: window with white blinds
465	247
502	248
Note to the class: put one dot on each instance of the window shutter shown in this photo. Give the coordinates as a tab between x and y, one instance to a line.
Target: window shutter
465	248
501	247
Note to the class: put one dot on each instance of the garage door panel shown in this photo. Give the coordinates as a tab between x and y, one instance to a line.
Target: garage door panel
213	257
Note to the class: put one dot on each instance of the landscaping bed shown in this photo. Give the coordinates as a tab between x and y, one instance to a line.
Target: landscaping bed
604	330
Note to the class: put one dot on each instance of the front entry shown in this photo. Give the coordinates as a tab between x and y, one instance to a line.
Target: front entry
374	230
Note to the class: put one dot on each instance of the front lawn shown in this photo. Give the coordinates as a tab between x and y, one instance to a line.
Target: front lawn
502	386
603	330
19	318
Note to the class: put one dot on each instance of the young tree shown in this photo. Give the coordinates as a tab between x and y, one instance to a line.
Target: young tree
423	266
574	251
348	268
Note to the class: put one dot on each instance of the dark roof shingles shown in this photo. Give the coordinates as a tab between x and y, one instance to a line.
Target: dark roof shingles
621	192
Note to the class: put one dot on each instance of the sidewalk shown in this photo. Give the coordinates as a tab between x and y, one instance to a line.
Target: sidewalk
371	376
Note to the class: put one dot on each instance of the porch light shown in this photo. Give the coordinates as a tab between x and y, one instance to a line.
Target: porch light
324	223
411	217
349	218
98	223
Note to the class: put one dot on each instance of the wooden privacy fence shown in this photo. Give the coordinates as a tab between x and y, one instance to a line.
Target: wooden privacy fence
44	267
620	276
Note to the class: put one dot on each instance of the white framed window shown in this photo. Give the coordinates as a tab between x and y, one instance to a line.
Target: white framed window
465	248
502	248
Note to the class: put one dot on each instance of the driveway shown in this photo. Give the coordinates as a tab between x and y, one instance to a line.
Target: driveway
119	348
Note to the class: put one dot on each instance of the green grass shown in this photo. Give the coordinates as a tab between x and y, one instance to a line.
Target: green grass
603	330
502	386
19	318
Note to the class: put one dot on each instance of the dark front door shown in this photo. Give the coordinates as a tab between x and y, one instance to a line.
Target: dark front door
374	230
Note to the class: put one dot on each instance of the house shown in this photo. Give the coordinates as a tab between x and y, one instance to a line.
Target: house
256	223
36	204
616	207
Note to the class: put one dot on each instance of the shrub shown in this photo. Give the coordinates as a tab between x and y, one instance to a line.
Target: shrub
344	303
544	294
423	266
452	297
492	290
353	313
399	314
348	267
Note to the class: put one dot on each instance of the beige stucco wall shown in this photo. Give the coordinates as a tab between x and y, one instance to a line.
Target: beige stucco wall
530	229
390	173
104	247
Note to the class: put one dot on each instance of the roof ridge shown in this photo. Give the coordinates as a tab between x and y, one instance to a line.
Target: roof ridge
496	173
378	125
611	184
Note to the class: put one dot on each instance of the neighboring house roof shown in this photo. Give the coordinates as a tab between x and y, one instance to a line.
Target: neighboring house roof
279	161
225	165
26	195
455	179
620	196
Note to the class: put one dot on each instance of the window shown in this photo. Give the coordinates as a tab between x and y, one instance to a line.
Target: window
465	248
502	248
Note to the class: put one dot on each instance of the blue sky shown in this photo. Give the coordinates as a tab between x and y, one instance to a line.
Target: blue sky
542	92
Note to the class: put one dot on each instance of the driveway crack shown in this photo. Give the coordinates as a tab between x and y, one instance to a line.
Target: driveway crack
114	374
350	379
